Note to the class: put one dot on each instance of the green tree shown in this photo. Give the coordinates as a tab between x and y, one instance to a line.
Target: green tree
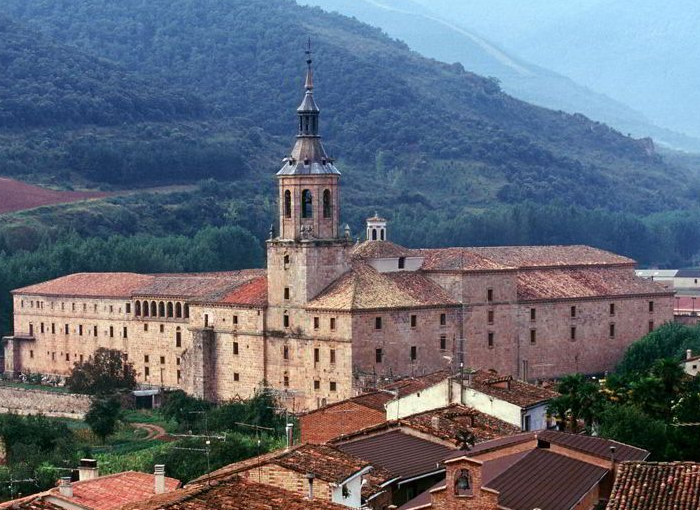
108	371
668	341
580	400
629	424
103	416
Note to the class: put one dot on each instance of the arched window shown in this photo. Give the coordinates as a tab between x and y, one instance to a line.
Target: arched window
374	234
382	235
287	204
327	205
154	309
178	310
178	337
170	309
463	483
161	309
187	311
307	204
145	309
137	308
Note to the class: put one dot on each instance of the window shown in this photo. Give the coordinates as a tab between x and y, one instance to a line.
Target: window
317	355
286	293
414	321
307	199
651	326
490	317
177	361
443	319
573	311
206	320
528	423
572	334
94	331
235	320
178	338
332	323
81	358
332	356
53	356
490	339
162	360
146	371
612	330
489	295
236	377
145	358
178	310
317	384
374	234
170	311
377	323
287	204
286	261
286	381
128	308
53	329
533	314
533	336
179	376
378	355
285	352
126	332
80	330
612	309
285	320
31	329
651	306
31	354
443	342
145	326
111	332
235	348
67	357
162	328
66	329
327	204
42	327
137	308
414	353
402	262
317	322
333	386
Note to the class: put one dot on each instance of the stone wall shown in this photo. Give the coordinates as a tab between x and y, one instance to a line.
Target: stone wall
49	403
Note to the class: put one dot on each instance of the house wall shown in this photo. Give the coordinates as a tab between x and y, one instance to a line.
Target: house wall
481	499
390	265
433	397
325	424
510	413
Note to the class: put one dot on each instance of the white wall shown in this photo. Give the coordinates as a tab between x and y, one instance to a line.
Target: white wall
692	367
354	500
538	417
392	265
431	398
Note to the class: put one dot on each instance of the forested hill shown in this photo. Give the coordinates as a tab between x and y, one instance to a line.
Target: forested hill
396	118
48	84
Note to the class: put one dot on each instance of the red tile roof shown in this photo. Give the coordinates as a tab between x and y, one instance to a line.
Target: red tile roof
596	446
364	288
380	249
233	494
203	286
656	486
584	283
516	392
110	285
252	293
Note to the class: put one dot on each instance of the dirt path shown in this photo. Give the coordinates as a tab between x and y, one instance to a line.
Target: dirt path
154	431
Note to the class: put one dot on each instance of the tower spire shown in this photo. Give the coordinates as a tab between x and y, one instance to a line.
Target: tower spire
309	85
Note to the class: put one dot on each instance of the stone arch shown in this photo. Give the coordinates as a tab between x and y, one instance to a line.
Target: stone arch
170	311
154	309
161	309
287	204
463	483
374	234
178	310
187	311
145	309
327	204
307	204
137	308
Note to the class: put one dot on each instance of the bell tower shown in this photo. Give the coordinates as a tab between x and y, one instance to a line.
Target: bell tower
309	252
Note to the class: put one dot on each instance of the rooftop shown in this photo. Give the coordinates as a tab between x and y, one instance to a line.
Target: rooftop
380	249
364	288
232	494
595	446
656	486
114	285
510	390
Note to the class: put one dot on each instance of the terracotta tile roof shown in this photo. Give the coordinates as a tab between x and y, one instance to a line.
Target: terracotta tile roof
656	486
364	288
114	491
34	502
595	446
584	283
380	249
202	285
233	494
402	454
514	257
411	385
251	293
443	424
546	480
328	463
109	285
510	390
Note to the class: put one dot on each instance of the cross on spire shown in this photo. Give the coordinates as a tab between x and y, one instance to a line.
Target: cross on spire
309	85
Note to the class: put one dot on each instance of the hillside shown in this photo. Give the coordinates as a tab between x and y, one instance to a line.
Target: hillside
441	38
18	196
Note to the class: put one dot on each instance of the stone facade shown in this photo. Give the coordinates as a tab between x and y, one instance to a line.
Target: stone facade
48	403
330	317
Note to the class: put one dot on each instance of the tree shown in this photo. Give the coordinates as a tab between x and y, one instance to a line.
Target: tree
669	341
629	424
580	400
103	416
106	372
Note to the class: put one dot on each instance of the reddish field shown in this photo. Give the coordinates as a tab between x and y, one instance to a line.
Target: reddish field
17	196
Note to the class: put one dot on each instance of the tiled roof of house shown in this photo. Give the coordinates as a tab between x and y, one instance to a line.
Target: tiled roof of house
380	249
546	480
595	446
364	288
327	463
656	486
114	285
233	493
202	285
510	390
402	454
410	385
252	292
517	257
583	283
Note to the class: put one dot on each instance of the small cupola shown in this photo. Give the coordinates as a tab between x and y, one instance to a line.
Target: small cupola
376	228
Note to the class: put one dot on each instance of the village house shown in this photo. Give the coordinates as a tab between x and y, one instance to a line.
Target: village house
330	316
690	363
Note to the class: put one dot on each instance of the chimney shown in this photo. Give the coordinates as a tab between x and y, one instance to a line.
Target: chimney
310	477
65	488
159	477
435	422
290	435
688	354
612	457
87	469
